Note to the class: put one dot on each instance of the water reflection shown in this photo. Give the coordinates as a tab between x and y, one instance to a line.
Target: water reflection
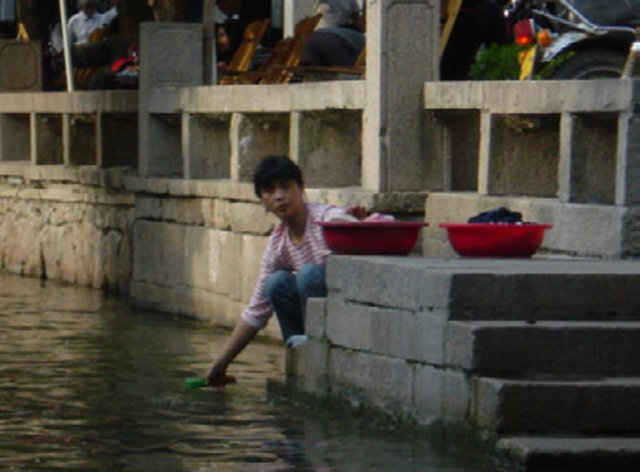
88	383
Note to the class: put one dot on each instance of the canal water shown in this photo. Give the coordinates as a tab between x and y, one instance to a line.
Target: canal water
90	383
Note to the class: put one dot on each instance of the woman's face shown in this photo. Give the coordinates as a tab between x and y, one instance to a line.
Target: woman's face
89	9
222	40
285	199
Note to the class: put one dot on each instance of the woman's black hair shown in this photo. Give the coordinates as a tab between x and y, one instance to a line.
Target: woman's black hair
273	169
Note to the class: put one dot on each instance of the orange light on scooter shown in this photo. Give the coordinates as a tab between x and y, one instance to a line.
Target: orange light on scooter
523	33
543	38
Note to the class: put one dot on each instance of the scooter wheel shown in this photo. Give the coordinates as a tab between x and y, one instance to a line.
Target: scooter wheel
590	64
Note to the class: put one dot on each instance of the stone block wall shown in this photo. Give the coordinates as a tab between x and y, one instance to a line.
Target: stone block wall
198	255
198	243
72	225
434	340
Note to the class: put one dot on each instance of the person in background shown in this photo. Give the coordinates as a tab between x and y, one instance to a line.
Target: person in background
109	17
339	36
85	22
293	265
87	52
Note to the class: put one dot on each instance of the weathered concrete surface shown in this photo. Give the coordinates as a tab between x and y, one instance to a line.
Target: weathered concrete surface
70	230
510	347
198	244
578	230
574	453
606	406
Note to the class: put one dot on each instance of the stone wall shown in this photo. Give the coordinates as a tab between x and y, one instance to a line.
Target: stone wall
474	341
198	243
67	224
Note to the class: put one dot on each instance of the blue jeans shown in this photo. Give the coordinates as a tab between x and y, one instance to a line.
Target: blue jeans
288	292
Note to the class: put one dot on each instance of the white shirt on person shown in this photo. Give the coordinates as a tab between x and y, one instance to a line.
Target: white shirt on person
81	26
109	15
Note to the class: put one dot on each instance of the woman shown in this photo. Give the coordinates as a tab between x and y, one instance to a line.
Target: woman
293	265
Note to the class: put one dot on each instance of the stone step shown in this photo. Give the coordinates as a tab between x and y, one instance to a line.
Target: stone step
604	406
491	289
576	348
540	453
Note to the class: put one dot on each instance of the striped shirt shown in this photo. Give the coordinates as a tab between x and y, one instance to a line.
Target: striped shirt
282	254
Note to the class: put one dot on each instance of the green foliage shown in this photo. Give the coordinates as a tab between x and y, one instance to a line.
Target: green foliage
551	66
497	62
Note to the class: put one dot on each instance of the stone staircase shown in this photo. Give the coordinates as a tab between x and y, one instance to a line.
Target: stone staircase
561	395
543	355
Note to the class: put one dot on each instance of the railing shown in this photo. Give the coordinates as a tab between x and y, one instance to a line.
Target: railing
82	128
576	141
221	132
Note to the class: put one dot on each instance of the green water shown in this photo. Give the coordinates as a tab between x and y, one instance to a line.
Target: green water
89	383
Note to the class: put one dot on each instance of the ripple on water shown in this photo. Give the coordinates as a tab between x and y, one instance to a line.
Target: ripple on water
90	383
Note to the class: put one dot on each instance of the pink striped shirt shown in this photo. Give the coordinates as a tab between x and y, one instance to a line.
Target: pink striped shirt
282	254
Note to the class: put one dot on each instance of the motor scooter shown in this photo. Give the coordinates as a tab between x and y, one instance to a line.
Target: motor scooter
573	39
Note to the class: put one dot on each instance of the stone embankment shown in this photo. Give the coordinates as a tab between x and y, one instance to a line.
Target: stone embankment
541	355
68	224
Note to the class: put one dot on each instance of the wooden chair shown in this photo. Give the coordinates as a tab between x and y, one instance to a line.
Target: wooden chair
279	69
449	14
253	34
286	54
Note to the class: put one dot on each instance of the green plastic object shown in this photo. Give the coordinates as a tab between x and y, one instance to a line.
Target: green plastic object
196	382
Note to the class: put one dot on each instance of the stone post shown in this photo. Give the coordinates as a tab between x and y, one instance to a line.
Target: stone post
628	160
402	54
171	56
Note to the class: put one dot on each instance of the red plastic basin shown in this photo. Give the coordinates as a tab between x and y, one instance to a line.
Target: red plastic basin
371	237
495	239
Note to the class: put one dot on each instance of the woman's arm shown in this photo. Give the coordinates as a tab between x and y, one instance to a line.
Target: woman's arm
241	336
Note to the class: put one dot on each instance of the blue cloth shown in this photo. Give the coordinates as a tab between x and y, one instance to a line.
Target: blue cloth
288	292
498	215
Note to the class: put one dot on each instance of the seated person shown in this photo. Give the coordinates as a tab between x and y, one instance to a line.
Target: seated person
338	38
86	53
85	22
293	265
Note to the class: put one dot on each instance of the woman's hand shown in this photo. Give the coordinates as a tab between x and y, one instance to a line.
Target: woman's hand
357	211
217	376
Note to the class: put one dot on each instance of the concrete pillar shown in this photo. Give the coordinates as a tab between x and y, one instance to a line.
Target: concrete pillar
565	161
402	53
484	154
170	56
628	158
66	139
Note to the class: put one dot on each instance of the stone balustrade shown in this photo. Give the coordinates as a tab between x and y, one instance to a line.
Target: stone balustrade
222	132
564	153
82	128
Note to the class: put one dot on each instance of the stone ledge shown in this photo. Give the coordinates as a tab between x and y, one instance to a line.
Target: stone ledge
573	453
392	202
347	95
113	101
525	97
